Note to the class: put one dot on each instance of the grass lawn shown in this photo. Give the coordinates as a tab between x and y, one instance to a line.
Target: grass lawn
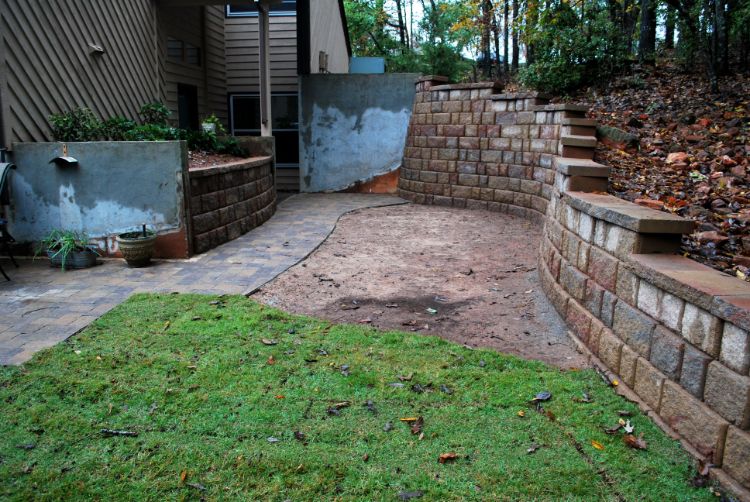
220	414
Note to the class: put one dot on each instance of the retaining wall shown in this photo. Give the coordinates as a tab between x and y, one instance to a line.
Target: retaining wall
114	187
229	200
672	330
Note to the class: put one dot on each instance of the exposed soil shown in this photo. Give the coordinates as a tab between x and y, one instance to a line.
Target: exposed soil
198	158
467	276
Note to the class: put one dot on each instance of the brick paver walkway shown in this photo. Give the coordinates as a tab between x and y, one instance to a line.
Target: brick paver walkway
43	306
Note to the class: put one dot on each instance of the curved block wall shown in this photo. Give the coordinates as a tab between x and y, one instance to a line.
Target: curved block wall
673	331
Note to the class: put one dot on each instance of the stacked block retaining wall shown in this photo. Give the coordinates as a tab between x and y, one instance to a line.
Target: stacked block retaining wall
229	200
672	330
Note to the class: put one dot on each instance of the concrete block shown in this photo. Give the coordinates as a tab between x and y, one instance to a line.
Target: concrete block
735	349
667	350
728	394
702	329
700	425
634	327
737	455
694	368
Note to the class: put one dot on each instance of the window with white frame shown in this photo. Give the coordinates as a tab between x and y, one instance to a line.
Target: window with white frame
283	8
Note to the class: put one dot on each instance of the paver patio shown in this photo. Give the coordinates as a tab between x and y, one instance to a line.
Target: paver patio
43	306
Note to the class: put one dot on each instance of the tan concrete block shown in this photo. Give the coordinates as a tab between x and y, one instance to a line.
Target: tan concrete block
648	383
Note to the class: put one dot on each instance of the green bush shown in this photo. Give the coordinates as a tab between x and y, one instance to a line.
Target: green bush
152	132
117	128
79	124
155	113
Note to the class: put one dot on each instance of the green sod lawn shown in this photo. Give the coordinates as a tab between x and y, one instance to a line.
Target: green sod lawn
221	412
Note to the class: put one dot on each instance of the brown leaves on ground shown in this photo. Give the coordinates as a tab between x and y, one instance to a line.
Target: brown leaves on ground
637	443
447	457
693	158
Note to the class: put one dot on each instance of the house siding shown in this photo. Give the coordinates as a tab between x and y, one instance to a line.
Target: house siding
48	67
327	35
204	28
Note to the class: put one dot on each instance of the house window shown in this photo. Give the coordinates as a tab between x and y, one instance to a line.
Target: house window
283	8
179	51
245	121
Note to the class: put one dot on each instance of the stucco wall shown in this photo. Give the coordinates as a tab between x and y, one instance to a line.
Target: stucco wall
352	127
116	187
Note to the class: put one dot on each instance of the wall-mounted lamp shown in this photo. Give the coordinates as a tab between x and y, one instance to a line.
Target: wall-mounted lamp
64	160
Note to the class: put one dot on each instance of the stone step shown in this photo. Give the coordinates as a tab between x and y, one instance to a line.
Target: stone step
628	215
577	140
575	130
521	95
561	107
573	121
580	167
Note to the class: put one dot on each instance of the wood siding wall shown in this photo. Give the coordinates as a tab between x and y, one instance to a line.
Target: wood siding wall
242	50
46	65
204	28
327	35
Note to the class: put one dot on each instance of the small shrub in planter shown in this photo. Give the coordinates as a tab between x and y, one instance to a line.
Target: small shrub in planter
68	249
137	247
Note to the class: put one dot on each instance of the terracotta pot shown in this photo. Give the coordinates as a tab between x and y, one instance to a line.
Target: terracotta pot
136	249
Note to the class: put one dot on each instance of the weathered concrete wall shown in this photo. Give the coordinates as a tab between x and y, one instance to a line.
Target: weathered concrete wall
115	187
352	127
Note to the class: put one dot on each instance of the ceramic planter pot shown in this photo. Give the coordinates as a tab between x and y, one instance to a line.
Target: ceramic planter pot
75	260
136	248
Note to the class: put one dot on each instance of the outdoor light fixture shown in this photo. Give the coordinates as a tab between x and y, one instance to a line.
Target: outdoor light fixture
96	49
64	160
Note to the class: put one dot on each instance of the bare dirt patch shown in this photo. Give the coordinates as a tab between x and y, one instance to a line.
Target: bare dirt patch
467	276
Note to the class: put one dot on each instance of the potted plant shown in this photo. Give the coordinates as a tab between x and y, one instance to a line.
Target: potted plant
69	249
137	247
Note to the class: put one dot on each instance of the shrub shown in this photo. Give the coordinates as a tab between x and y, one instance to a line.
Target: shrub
117	128
79	124
152	132
155	113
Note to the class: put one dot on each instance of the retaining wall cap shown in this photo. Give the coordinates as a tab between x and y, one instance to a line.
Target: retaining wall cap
574	140
198	172
560	107
691	281
432	78
572	121
581	167
520	95
628	215
476	85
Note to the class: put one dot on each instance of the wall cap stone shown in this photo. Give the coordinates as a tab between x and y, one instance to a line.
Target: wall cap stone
628	215
509	96
560	107
575	121
475	85
580	167
575	140
722	295
239	165
432	78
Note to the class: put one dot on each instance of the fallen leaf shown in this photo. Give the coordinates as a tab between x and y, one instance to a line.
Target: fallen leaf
628	428
597	445
279	396
183	476
365	457
431	311
521	413
271	360
534	447
406	378
197	486
416	426
447	457
409	419
266	341
272	439
543	396
637	443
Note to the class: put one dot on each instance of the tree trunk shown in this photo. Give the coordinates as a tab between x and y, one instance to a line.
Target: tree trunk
496	39
647	40
669	27
401	26
506	59
486	63
720	38
515	35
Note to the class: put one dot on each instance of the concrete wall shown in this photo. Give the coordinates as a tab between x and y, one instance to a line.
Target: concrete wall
352	127
116	186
